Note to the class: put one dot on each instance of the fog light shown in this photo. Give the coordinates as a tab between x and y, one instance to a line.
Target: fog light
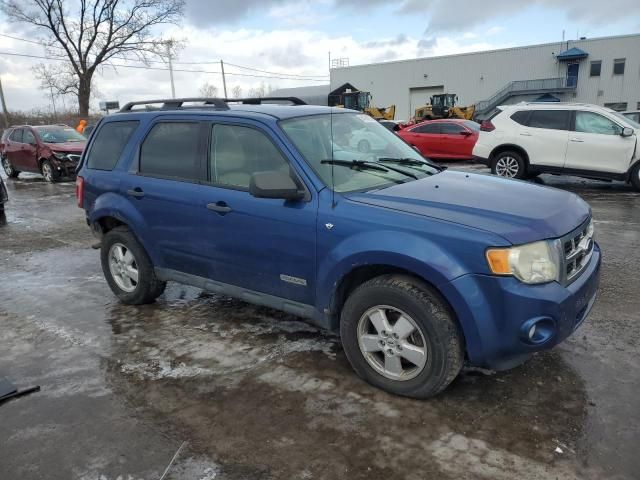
537	331
532	332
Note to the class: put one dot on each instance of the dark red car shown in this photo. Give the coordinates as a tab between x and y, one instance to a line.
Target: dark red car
450	138
52	150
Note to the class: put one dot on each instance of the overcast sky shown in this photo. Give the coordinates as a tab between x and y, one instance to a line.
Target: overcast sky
295	38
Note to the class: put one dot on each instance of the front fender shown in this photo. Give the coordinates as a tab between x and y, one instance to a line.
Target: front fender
115	205
406	251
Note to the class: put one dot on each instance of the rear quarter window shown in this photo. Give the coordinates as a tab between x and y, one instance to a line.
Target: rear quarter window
109	143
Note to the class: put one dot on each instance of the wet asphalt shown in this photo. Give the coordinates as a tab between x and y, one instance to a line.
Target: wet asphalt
252	393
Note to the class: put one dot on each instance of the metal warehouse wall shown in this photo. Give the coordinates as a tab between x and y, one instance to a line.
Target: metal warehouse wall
477	76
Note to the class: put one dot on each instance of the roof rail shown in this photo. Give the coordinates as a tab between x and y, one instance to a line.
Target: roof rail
261	100
177	103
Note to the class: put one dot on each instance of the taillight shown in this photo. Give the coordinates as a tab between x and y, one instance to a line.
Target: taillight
80	191
487	126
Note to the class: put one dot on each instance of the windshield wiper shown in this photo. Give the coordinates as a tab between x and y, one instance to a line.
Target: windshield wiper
411	162
370	165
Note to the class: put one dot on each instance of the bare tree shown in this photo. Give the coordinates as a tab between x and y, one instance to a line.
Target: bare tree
92	32
208	90
236	91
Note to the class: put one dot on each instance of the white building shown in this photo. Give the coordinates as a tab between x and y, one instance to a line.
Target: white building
603	71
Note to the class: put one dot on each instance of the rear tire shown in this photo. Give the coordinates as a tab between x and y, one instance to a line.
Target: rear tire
8	168
128	269
509	164
419	364
635	176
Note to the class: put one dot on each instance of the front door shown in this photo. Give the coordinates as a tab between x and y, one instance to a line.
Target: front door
572	74
265	245
456	141
29	151
597	144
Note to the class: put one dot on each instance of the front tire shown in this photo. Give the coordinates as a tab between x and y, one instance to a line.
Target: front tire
8	168
400	336
635	176
128	269
48	172
509	164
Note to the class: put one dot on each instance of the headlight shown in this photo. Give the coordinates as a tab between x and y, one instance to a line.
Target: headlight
59	155
537	262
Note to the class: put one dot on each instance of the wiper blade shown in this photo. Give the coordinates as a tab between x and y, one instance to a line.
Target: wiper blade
370	165
411	161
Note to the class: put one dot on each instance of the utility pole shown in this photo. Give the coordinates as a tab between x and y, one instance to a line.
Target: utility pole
53	104
5	113
224	81
169	44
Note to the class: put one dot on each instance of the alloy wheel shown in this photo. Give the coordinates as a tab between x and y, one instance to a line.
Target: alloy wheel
392	343
507	167
123	267
47	172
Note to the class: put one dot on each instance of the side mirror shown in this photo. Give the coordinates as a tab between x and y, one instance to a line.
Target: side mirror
627	132
274	184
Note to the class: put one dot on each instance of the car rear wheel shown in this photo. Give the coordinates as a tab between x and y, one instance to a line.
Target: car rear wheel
128	268
400	336
509	165
8	168
48	172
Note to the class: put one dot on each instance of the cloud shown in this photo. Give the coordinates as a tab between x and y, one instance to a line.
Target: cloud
205	13
390	42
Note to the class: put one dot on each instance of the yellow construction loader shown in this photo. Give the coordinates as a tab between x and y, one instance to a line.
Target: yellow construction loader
359	100
444	105
381	113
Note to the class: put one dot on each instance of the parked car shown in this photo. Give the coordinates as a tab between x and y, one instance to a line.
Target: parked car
563	138
634	115
446	139
4	196
52	150
418	267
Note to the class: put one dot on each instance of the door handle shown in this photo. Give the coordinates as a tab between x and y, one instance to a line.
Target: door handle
577	140
219	207
136	192
525	134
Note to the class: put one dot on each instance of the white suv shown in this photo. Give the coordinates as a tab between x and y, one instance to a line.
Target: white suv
527	139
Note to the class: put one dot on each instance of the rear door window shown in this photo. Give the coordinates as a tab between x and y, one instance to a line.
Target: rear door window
16	135
172	150
109	143
429	128
521	117
549	119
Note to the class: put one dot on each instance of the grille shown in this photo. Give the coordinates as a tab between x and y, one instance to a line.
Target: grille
578	247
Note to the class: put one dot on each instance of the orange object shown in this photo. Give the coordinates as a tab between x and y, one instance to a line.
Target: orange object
498	259
81	125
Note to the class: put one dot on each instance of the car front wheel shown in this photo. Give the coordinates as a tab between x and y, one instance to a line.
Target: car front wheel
509	165
8	168
635	176
400	336
48	172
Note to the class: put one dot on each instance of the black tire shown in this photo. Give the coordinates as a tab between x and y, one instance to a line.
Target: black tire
431	315
635	176
8	168
148	287
49	173
509	164
364	146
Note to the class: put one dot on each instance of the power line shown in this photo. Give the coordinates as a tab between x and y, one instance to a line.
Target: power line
217	62
140	67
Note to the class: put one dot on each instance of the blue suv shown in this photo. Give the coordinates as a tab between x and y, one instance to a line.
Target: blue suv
421	269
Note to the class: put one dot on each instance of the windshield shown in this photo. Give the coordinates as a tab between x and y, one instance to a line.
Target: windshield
626	119
59	135
348	137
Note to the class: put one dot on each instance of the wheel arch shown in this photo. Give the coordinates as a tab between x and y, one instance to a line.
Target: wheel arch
508	147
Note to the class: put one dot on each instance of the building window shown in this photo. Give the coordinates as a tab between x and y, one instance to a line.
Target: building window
617	106
638	106
596	66
618	66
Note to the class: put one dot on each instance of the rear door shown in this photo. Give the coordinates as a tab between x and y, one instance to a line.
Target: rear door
545	136
265	245
426	137
596	143
13	148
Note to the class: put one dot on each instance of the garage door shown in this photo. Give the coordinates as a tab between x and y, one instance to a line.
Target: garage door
420	96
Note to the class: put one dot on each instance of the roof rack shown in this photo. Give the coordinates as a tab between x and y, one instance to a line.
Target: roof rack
217	103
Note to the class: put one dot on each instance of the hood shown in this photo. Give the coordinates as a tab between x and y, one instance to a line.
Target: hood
518	211
70	147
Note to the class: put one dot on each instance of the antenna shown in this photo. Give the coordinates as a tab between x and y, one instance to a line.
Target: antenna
333	183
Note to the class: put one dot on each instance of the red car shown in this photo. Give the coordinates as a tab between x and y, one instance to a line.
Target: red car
450	138
52	150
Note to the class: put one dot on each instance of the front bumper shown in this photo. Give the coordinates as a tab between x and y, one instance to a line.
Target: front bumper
65	167
494	312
